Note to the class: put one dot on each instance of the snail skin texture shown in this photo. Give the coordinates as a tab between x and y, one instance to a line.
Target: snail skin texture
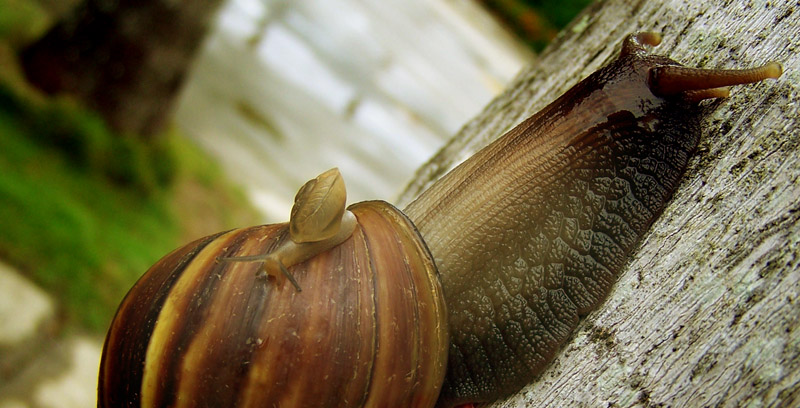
527	236
530	233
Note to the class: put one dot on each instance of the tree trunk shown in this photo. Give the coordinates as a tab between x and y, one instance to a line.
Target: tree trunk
126	59
707	313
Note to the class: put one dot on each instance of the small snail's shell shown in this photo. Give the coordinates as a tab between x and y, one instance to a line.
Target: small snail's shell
366	330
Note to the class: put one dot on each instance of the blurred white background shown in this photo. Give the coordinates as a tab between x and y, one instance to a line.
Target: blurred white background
373	87
282	91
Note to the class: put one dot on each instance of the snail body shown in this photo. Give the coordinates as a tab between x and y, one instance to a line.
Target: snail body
591	171
528	235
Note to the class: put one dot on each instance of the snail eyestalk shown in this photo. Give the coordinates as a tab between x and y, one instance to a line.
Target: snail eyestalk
697	96
319	222
634	43
698	83
271	266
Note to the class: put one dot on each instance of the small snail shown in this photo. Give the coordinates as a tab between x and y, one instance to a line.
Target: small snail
527	236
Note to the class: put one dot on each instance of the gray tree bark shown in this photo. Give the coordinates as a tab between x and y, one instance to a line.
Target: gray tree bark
707	313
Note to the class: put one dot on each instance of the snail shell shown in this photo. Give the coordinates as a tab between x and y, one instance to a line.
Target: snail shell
529	235
366	330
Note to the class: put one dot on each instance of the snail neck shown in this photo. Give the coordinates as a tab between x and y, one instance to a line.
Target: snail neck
503	182
530	232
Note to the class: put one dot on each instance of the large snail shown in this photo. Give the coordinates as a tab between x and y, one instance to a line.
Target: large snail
527	235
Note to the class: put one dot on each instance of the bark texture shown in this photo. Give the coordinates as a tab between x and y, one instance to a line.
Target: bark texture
707	312
127	59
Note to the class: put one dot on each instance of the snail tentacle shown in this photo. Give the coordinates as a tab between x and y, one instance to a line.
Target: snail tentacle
532	231
634	43
271	265
673	80
319	222
525	238
249	258
289	253
713	93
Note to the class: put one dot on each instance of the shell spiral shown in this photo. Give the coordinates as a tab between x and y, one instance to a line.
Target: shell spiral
528	235
366	330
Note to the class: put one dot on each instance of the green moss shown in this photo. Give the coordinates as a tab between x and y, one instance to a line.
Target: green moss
65	227
85	212
86	141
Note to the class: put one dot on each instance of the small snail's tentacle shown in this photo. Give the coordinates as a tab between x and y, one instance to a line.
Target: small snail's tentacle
292	253
672	79
289	253
319	222
250	258
271	264
634	43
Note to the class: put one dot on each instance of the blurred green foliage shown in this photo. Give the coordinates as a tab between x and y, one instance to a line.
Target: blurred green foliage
79	235
21	21
536	21
90	145
85	212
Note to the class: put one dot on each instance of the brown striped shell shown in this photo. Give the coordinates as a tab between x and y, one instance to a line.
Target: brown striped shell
368	328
